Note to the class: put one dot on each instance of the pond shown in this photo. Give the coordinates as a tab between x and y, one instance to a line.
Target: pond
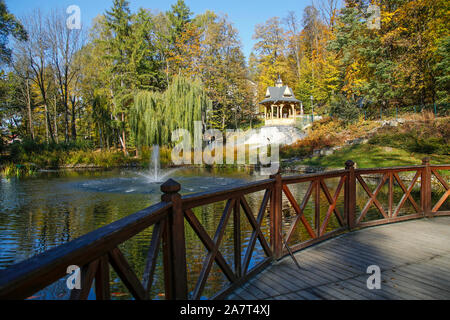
41	212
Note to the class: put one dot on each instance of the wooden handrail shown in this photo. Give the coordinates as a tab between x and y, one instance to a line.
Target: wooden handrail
97	250
27	277
208	197
389	169
307	177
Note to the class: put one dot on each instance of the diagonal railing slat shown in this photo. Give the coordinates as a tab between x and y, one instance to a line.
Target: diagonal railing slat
152	257
407	194
255	233
299	211
126	274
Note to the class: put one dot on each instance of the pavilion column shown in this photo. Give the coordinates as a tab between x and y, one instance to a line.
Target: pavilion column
271	113
293	111
280	116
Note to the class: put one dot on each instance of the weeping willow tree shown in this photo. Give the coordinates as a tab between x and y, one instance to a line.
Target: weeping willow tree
155	115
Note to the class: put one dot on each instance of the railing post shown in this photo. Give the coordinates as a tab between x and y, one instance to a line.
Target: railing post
350	194
276	216
426	188
174	245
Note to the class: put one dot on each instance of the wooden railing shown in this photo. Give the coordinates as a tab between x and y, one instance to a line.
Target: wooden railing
95	252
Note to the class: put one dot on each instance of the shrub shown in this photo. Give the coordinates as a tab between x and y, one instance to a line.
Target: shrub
429	146
426	136
19	149
17	170
344	109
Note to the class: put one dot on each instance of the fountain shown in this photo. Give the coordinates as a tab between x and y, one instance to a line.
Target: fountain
149	181
155	164
155	174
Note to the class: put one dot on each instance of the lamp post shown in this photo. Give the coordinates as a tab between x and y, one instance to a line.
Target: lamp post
235	122
312	109
236	110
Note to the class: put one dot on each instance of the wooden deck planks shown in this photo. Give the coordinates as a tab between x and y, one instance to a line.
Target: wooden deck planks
414	258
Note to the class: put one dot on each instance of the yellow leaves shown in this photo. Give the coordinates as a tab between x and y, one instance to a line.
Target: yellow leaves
386	16
184	59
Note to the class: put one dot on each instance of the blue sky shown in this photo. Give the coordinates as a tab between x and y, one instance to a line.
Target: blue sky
245	14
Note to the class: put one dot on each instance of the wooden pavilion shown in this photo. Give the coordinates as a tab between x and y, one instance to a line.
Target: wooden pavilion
280	105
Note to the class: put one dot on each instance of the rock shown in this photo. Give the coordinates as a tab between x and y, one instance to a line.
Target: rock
307	169
282	135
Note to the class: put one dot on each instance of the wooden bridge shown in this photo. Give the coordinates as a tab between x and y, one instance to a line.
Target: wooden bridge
413	256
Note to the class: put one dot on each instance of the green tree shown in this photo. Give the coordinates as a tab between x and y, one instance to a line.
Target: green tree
131	62
365	64
414	31
344	108
154	115
270	51
9	25
179	16
224	73
442	70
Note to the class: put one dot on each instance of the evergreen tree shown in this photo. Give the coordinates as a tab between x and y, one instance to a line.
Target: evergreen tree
132	63
224	73
9	25
179	16
442	70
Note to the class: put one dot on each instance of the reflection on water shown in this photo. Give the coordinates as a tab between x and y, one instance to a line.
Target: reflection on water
39	213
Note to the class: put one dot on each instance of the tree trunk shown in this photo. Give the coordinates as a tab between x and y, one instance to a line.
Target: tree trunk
30	118
66	105
56	122
47	122
123	140
73	124
66	122
49	129
107	141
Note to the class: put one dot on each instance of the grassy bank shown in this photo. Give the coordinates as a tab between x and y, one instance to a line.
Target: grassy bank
26	158
372	156
406	144
327	132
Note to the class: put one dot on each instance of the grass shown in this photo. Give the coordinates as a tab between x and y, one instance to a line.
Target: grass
372	156
60	158
407	144
430	137
18	170
327	132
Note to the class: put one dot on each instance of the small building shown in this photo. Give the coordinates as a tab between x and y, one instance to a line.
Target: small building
280	105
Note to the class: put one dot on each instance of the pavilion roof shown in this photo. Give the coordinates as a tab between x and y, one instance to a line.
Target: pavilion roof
280	94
